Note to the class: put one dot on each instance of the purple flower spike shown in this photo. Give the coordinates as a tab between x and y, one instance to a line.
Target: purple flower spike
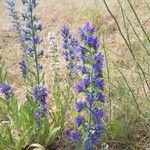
69	45
100	97
88	27
83	83
40	94
80	49
99	58
65	31
74	135
99	83
83	69
90	99
6	90
80	105
37	39
91	86
23	68
39	26
79	120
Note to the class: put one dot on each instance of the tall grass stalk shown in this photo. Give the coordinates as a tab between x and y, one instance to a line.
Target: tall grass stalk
138	19
143	75
108	78
126	20
128	45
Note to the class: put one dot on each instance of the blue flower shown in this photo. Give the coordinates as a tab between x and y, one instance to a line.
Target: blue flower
91	87
99	58
37	39
23	67
39	26
40	93
90	98
25	38
95	137
40	113
37	112
26	31
86	30
100	97
98	68
65	31
70	65
82	84
84	57
99	82
69	45
74	135
80	49
83	69
31	39
28	25
25	16
40	53
89	28
98	63
79	120
11	6
93	41
6	90
97	113
80	105
30	7
28	50
88	144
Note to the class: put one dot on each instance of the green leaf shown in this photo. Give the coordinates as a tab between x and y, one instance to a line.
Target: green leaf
52	135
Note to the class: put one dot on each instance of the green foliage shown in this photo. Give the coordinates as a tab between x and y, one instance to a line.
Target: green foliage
3	72
22	128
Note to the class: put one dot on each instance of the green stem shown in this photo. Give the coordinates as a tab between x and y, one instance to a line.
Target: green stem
128	45
138	20
108	75
34	46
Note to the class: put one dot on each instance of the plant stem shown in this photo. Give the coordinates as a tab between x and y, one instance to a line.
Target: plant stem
34	46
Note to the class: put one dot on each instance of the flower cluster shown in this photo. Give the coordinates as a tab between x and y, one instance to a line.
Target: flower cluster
40	93
27	32
91	85
55	64
30	29
69	44
14	15
23	68
30	36
6	90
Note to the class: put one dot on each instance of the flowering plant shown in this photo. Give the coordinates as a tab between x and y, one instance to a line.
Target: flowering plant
89	120
30	121
33	121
